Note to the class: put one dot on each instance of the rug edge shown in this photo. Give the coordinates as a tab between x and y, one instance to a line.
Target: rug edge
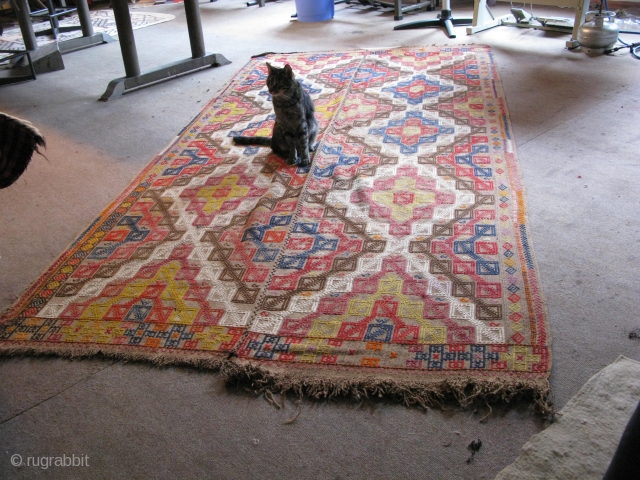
463	391
522	217
438	393
154	356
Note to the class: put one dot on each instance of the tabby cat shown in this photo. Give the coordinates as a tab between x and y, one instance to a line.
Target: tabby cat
296	127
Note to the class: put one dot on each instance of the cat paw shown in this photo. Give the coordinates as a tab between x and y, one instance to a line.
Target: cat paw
304	161
313	148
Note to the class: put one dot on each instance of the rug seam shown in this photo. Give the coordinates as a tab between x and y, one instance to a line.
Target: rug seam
297	214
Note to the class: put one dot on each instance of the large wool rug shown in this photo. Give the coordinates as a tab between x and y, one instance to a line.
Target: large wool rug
399	263
103	21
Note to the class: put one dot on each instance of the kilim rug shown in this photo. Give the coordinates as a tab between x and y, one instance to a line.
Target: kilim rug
103	21
399	263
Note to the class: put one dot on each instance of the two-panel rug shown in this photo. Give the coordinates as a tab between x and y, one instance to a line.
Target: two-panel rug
399	263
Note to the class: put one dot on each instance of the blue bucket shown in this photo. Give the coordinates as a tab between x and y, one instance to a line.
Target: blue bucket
314	10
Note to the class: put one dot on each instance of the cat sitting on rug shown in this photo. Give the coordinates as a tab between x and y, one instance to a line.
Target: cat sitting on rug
296	127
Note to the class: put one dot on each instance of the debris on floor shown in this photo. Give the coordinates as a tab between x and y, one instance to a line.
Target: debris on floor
474	447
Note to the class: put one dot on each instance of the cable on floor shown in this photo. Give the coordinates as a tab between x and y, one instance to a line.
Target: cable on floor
634	48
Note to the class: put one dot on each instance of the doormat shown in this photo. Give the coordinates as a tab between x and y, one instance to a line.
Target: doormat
399	263
103	21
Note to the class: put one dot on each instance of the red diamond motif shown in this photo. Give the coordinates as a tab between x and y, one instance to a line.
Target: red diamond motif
517	337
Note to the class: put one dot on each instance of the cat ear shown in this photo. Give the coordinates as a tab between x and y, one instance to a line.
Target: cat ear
269	67
289	71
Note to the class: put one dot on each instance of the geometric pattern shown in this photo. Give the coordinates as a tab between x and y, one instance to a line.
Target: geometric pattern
401	254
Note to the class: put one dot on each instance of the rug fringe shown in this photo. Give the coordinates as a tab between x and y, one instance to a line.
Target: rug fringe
463	392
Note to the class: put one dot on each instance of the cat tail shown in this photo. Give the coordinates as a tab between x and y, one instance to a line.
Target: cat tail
252	141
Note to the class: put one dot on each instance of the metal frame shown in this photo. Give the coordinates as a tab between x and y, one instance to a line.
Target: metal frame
44	59
19	56
48	58
398	9
133	78
444	20
89	37
483	19
52	13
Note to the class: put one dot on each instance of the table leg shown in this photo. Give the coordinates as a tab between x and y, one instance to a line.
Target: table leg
581	11
483	19
89	37
194	25
21	9
134	79
126	38
46	58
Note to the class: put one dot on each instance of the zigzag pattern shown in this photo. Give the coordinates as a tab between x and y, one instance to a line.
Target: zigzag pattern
402	248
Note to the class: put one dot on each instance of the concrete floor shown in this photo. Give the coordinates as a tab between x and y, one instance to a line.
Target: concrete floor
575	119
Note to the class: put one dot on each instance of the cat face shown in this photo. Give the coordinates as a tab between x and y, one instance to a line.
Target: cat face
279	80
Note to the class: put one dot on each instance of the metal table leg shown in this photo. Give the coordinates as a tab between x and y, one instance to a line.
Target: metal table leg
134	79
399	9
14	77
444	20
89	37
46	58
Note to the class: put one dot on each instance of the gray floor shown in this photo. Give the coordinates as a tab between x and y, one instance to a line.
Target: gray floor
575	119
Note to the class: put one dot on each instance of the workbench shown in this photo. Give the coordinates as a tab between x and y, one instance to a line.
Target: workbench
483	19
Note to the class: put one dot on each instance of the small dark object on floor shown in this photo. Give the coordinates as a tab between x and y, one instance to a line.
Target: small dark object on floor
18	140
474	447
635	333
